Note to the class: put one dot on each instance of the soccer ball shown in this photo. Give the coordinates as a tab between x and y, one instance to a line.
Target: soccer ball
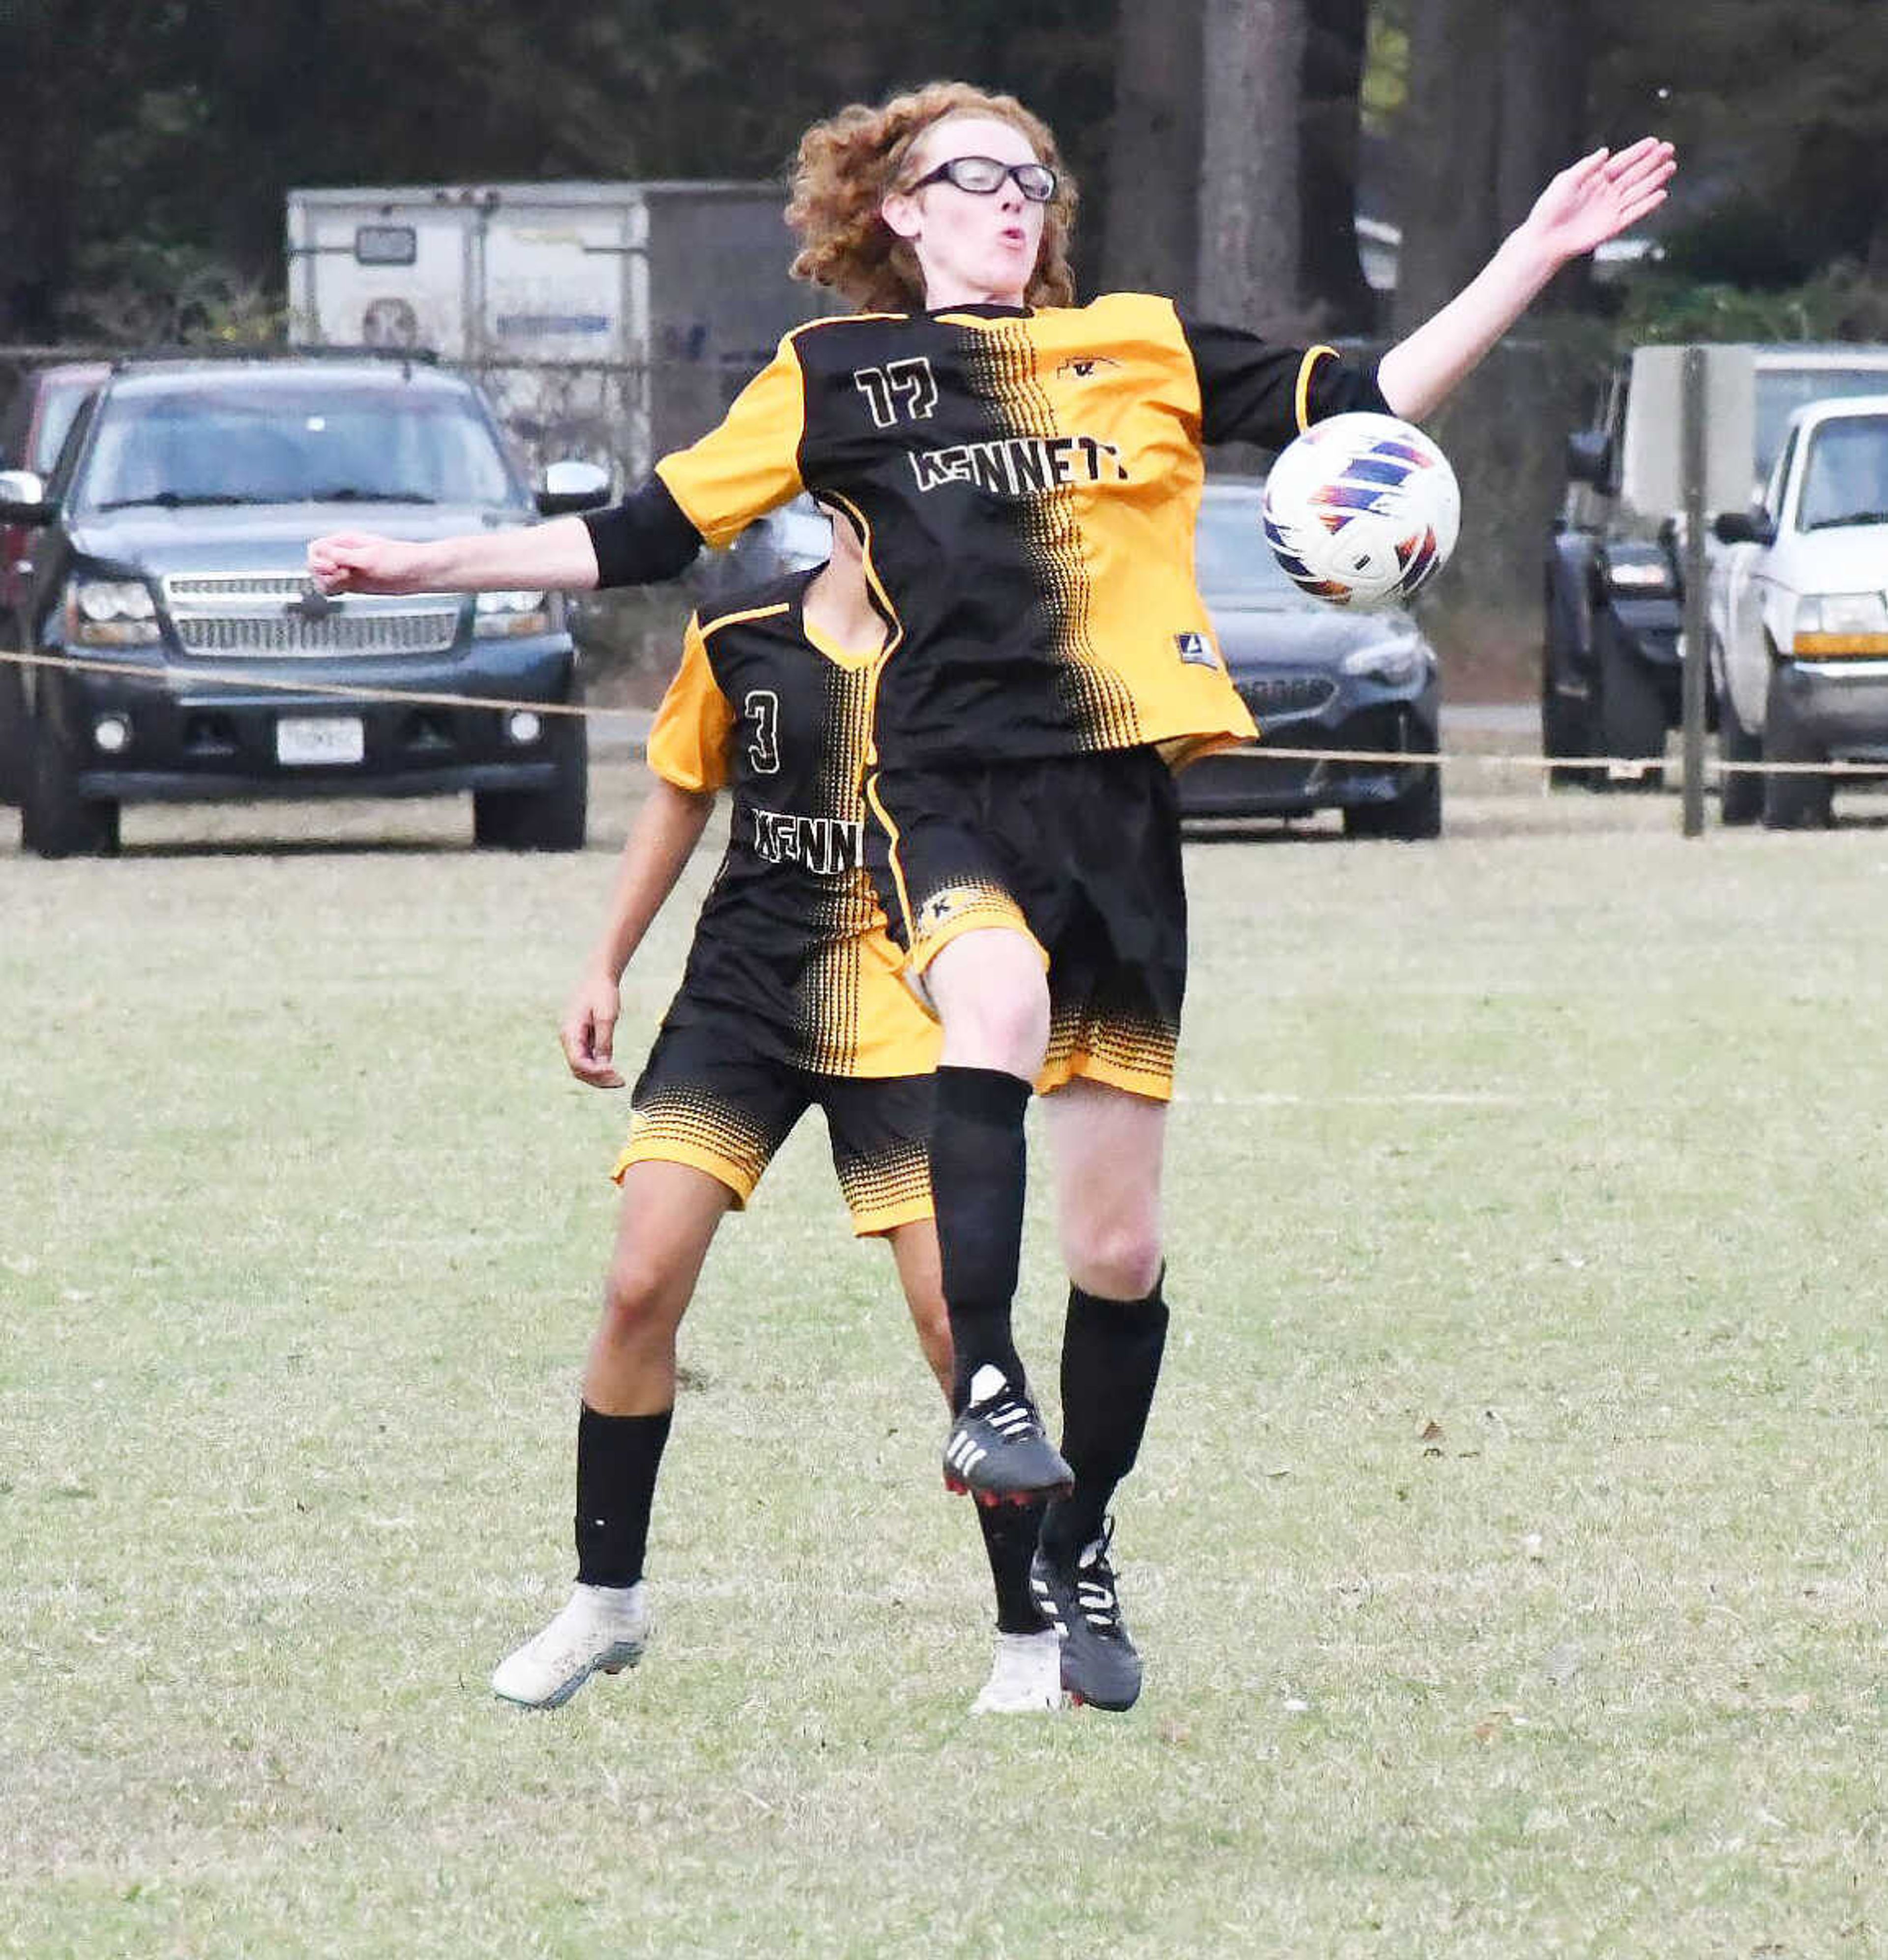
1362	510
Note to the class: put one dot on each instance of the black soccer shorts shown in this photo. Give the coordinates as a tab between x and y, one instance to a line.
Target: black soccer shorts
1080	852
707	1097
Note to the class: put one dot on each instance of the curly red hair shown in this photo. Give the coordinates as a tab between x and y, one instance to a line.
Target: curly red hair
848	165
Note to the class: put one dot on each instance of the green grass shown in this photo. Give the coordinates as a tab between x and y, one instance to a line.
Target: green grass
1563	1137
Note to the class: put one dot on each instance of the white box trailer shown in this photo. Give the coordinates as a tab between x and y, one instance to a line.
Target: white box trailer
611	320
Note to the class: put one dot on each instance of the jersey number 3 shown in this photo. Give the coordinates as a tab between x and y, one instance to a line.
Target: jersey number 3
762	708
907	388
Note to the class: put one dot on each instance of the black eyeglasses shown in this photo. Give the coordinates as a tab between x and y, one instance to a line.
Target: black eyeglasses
983	176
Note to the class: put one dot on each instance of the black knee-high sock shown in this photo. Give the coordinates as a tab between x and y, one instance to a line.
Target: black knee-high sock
1111	1361
618	1457
1009	1538
977	1168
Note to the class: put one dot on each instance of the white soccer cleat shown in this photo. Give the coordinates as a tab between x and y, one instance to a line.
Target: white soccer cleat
602	1630
1025	1678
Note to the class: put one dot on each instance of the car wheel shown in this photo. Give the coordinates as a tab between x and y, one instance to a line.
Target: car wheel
1413	816
14	746
1793	802
1740	792
1632	717
56	821
548	820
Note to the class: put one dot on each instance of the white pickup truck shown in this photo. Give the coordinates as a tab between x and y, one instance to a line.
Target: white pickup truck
1798	611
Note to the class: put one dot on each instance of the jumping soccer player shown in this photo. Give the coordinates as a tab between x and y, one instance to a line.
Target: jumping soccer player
1025	475
791	998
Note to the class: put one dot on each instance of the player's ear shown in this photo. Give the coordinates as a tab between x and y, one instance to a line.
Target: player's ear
899	210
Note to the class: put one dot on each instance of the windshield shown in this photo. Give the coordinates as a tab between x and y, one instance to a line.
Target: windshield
1781	391
1232	560
58	407
233	442
1845	474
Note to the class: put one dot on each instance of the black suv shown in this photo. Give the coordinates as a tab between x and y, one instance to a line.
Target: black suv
192	657
1610	668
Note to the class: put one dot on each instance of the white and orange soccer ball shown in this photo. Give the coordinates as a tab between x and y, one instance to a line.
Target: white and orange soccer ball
1362	510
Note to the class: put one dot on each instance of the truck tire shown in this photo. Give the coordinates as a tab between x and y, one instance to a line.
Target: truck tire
1414	816
1739	794
549	819
1631	717
14	748
55	820
1793	802
1565	730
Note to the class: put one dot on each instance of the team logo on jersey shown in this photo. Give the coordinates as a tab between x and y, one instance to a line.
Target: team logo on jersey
1021	466
941	907
1085	366
1195	650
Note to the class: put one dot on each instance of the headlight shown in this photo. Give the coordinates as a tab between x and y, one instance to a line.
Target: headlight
110	613
1390	663
1842	622
1639	575
499	615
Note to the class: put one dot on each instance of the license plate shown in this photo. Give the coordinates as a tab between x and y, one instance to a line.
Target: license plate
303	740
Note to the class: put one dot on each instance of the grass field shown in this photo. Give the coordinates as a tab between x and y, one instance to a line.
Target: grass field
1508	1550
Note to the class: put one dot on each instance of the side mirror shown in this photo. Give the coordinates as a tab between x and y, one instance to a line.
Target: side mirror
1590	457
22	499
571	486
1743	527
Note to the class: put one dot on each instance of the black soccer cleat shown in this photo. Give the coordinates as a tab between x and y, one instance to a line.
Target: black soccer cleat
997	1450
1078	1598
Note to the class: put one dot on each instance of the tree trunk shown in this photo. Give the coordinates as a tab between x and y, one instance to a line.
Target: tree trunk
1330	273
1543	116
1253	53
1151	243
1450	218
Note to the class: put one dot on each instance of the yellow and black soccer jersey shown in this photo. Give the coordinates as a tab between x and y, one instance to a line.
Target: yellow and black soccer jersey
791	943
1026	483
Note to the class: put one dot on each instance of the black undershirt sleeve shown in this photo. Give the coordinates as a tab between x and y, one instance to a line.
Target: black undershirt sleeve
1249	388
643	539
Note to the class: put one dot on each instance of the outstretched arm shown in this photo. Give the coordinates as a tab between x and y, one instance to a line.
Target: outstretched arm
646	537
558	555
1587	203
665	831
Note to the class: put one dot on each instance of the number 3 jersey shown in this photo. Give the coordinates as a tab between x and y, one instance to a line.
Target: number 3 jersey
790	952
1026	483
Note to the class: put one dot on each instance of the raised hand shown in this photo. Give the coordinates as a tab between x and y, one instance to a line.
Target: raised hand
1599	197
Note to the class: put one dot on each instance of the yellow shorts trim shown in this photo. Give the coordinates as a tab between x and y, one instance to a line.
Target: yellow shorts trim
673	1150
990	914
875	1221
1156	1084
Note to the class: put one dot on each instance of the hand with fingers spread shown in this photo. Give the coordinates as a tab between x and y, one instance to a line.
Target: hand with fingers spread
587	1033
1599	197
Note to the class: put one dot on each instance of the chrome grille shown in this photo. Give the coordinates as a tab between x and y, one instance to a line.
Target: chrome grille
259	615
1276	695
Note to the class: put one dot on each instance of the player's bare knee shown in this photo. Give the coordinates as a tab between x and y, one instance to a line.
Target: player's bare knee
998	1028
635	1302
1117	1259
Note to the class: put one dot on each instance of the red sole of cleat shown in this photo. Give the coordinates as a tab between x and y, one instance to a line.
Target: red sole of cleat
955	1485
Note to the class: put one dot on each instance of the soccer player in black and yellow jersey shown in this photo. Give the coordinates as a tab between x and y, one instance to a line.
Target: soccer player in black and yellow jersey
1024	473
791	998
